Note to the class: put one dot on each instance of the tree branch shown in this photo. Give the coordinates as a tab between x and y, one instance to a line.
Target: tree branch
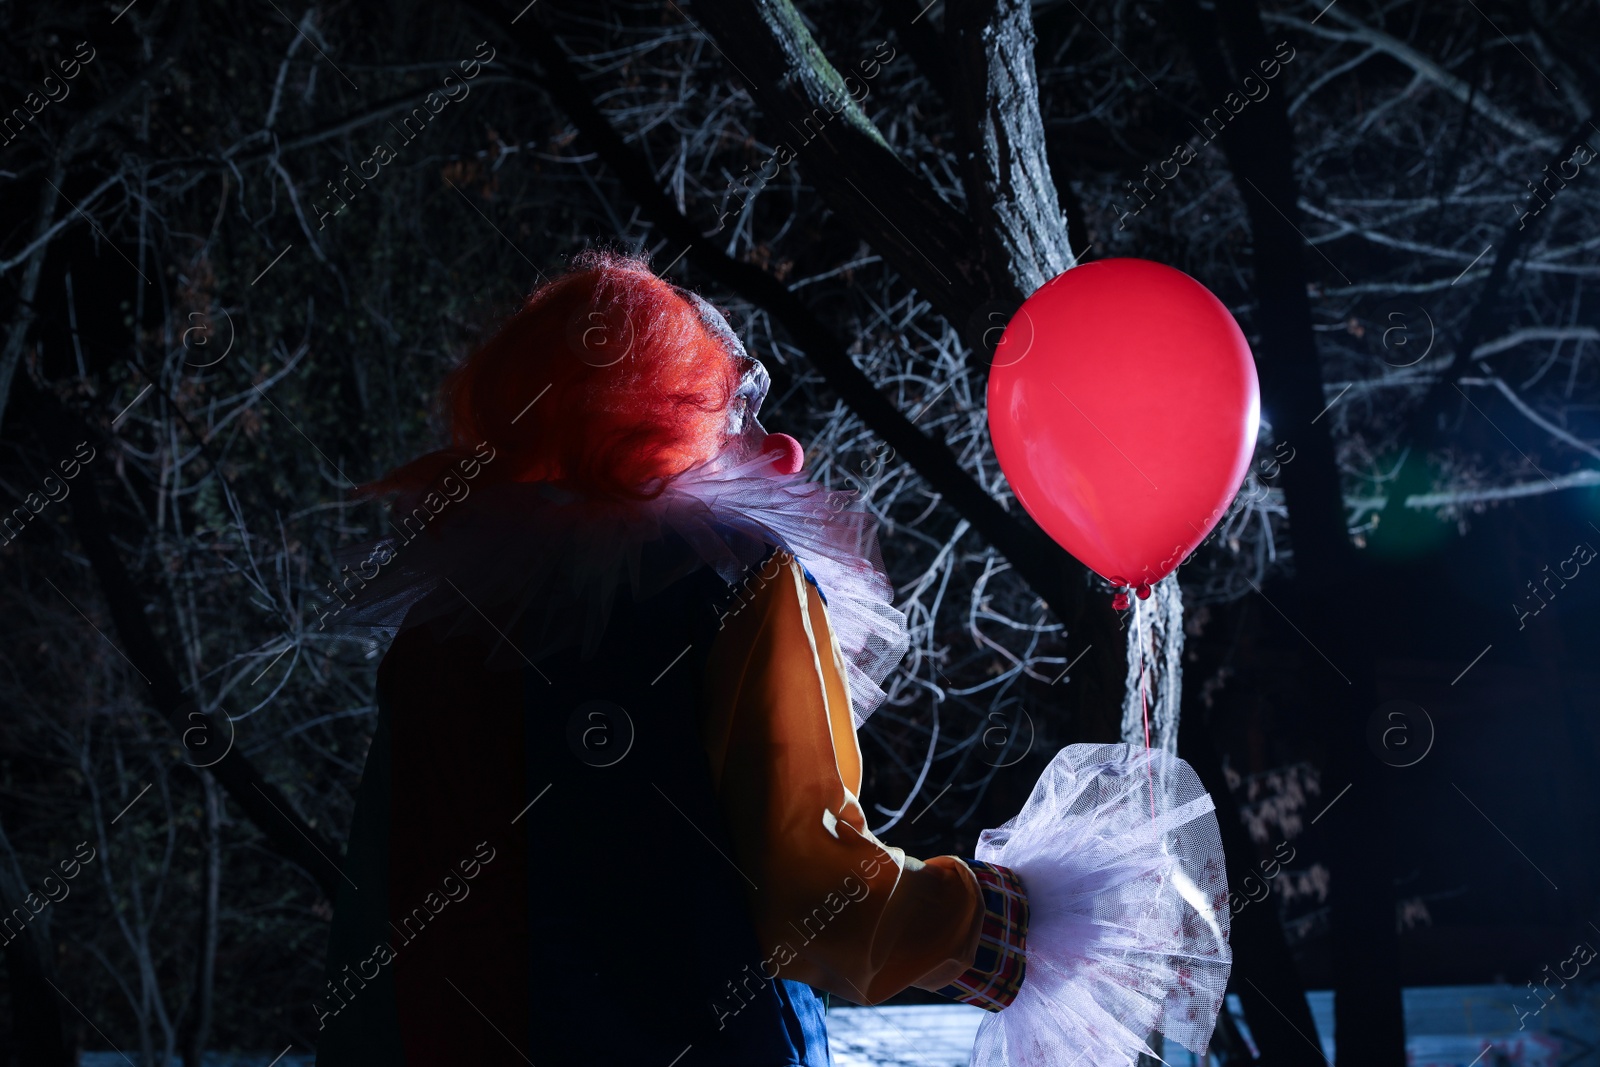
806	102
1422	431
265	805
1419	63
1054	575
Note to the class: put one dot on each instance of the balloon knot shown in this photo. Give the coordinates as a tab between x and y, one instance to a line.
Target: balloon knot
1120	601
1144	591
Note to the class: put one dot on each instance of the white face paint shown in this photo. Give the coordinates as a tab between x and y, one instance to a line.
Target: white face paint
746	435
747	400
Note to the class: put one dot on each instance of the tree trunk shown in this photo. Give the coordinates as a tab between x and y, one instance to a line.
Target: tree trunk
1150	710
1006	170
1264	974
16	343
38	1020
199	1029
1327	604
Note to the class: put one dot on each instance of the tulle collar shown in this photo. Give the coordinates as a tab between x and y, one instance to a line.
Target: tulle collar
537	559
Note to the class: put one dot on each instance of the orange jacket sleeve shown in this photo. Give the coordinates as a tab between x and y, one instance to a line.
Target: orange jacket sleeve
833	906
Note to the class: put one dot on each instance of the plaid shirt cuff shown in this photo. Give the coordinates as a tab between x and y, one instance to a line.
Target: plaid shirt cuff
995	977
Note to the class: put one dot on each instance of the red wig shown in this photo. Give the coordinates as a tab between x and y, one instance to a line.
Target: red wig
607	381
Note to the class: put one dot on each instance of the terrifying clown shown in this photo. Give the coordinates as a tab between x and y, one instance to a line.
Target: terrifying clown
611	814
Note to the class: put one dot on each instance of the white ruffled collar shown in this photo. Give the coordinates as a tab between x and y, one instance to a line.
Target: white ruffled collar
537	557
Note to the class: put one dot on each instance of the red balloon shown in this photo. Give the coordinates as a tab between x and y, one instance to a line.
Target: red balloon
1123	404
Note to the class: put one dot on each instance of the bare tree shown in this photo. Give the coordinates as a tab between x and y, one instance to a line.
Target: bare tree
198	288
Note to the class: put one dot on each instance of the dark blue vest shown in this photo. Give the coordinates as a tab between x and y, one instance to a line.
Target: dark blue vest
653	959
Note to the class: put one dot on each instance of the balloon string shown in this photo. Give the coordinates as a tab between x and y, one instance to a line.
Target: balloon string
1144	706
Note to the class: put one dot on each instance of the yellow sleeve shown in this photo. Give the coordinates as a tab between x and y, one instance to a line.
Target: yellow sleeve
833	906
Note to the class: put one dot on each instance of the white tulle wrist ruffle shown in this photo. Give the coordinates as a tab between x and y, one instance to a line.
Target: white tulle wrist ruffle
1127	936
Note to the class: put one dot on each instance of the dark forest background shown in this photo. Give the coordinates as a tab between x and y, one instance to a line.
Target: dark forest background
210	332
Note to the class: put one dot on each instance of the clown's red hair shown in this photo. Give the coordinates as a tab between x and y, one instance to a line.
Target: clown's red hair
627	388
